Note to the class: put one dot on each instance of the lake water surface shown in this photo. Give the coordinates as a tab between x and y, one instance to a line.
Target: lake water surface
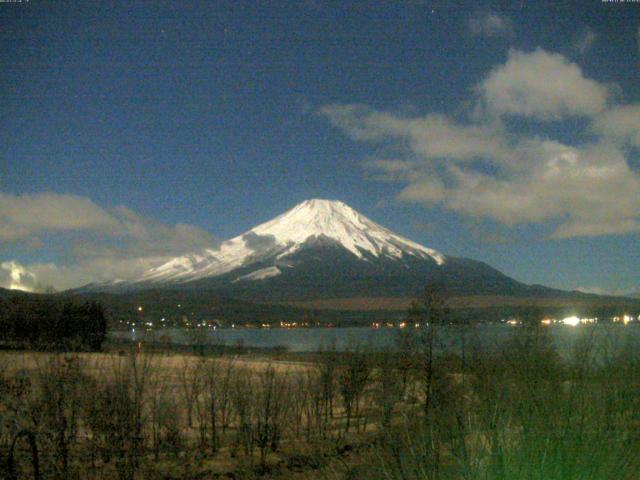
449	337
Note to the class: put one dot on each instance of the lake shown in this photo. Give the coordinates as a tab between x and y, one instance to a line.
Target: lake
312	339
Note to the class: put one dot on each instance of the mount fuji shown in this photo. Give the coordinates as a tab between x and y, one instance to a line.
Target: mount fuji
311	224
323	249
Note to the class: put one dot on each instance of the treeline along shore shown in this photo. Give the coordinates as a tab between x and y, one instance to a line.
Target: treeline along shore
51	322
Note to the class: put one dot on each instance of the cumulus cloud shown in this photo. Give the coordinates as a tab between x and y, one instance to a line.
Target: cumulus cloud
490	25
481	169
26	215
39	277
15	276
542	85
621	124
146	236
590	191
100	244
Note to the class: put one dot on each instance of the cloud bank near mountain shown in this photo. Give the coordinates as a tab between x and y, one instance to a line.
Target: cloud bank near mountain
481	166
97	243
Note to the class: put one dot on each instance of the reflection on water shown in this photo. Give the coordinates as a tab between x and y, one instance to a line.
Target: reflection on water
450	337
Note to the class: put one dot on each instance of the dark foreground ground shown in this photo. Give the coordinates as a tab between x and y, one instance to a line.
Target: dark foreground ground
130	413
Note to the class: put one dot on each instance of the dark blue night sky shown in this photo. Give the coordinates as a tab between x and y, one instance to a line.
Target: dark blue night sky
134	130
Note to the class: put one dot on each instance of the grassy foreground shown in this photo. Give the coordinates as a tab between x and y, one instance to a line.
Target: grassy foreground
519	412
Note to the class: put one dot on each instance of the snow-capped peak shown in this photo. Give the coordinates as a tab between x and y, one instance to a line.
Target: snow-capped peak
288	233
338	221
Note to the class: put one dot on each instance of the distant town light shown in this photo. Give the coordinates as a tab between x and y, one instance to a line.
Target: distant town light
140	308
572	321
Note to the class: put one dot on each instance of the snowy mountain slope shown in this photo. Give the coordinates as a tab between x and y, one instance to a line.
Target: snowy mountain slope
287	234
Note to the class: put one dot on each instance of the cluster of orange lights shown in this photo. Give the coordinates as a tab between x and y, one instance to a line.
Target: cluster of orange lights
624	319
377	325
294	324
574	320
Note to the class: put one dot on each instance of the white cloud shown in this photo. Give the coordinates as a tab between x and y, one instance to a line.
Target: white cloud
541	85
589	191
15	276
26	215
364	123
22	217
100	244
620	124
40	276
432	136
150	237
428	190
483	170
490	25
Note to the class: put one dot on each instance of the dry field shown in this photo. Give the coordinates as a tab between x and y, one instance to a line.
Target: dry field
169	365
166	415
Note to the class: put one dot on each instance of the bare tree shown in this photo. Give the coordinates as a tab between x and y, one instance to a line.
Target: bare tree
389	389
327	366
57	408
431	312
315	412
353	378
209	405
11	460
265	411
165	420
16	389
299	400
243	403
115	412
190	381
